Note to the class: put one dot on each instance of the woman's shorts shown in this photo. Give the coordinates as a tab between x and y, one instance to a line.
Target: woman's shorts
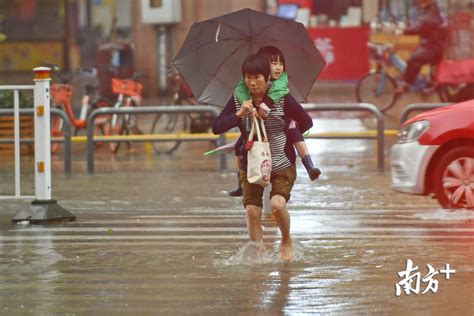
282	183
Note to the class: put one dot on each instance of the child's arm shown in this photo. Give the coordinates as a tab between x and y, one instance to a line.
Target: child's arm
241	91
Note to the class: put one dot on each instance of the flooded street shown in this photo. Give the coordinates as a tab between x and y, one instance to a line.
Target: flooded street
162	236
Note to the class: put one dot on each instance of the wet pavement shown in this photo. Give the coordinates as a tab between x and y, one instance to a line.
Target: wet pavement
161	236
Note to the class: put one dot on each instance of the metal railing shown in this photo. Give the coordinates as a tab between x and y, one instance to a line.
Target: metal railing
220	140
364	107
419	107
66	133
16	134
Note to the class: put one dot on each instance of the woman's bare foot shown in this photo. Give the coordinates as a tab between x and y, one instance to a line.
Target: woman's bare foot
286	251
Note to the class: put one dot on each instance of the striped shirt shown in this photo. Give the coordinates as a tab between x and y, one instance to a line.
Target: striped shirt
276	126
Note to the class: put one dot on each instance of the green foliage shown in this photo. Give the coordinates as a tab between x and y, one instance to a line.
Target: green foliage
6	100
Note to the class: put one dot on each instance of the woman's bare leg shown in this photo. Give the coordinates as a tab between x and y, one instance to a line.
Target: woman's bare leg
254	223
282	217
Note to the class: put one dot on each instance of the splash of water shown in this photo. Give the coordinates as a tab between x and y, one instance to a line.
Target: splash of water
252	253
255	253
298	250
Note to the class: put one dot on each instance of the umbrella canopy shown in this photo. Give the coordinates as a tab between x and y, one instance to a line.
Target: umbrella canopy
212	54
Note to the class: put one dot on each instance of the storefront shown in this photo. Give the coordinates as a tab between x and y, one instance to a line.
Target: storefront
341	29
34	33
344	49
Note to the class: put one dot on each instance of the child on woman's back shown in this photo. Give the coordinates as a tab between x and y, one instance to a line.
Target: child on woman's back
277	90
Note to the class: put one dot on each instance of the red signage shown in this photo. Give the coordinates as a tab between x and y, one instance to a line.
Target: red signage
345	51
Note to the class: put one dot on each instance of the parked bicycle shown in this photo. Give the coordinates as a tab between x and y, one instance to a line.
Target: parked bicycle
379	87
166	123
61	95
129	93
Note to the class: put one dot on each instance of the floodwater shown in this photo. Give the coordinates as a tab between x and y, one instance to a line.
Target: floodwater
161	236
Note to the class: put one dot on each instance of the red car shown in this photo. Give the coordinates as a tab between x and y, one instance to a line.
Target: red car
435	155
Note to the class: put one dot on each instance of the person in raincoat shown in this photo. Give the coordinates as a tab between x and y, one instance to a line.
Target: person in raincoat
256	74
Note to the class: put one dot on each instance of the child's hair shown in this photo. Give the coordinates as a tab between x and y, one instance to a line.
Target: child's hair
256	65
271	53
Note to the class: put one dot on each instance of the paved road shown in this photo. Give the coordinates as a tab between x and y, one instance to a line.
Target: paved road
157	242
197	261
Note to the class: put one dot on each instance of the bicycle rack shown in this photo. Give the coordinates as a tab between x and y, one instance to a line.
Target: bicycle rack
149	110
419	107
67	133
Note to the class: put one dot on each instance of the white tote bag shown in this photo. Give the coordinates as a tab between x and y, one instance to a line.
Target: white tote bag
259	158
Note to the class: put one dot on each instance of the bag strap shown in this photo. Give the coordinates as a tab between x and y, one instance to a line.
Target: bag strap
256	126
252	130
264	130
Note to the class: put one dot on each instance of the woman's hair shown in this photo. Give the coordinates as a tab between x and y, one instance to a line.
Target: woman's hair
256	65
271	53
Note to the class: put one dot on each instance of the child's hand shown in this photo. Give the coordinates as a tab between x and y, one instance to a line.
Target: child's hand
263	111
262	114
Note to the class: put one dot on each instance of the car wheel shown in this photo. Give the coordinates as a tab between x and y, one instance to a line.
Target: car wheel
454	178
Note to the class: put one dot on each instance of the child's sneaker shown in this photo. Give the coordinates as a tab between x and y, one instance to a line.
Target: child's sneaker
313	172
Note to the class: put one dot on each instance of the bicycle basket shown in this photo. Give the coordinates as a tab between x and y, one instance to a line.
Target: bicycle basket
127	87
61	93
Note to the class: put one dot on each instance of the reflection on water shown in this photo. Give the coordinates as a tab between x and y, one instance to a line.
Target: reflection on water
442	214
29	273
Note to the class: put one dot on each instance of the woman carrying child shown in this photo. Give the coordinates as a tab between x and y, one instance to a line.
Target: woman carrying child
278	88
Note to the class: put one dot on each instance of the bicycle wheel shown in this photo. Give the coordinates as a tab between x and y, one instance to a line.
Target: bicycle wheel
168	123
377	89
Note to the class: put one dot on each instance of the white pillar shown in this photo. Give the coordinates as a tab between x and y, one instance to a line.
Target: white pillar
43	209
42	134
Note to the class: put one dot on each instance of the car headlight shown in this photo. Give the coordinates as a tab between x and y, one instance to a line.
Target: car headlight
413	131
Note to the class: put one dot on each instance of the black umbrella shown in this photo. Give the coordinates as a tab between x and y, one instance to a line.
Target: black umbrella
212	54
